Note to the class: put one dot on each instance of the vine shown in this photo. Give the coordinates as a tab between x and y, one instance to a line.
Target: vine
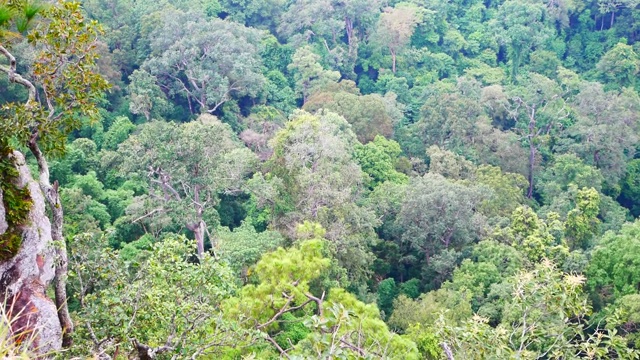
17	204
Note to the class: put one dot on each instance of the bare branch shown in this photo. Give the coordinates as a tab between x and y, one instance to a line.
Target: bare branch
14	77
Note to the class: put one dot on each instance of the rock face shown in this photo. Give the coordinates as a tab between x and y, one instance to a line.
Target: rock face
25	277
3	220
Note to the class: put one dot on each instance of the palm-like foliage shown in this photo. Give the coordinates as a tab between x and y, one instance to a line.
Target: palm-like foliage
16	17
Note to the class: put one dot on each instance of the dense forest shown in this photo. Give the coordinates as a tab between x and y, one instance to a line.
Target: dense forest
320	179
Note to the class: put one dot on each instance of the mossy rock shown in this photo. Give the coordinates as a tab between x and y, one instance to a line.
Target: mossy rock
16	202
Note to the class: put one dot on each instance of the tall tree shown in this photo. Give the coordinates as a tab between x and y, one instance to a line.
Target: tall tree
544	316
439	214
335	321
395	27
619	67
521	27
370	115
536	108
605	132
187	167
318	179
308	73
146	97
206	61
331	22
167	305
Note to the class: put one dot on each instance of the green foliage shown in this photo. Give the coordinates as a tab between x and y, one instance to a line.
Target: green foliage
613	270
308	73
619	67
16	201
165	293
243	246
118	132
535	237
521	27
387	292
432	214
349	321
582	222
207	62
508	190
630	192
282	271
370	115
410	288
429	307
377	159
426	340
542	315
145	98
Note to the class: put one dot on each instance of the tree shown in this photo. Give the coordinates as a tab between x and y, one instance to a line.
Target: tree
508	190
630	192
59	90
447	120
377	159
255	13
316	178
481	277
565	171
536	238
329	22
605	131
619	67
521	27
611	6
207	61
428	308
146	97
118	132
336	322
614	270
369	115
167	305
536	108
308	73
395	27
544	316
439	214
582	222
243	246
187	166
448	164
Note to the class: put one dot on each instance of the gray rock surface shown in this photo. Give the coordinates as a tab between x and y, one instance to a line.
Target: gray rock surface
25	278
3	220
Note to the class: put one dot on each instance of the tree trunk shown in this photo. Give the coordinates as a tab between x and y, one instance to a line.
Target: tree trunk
613	16
350	35
447	351
393	57
60	280
52	196
198	227
532	155
199	235
532	159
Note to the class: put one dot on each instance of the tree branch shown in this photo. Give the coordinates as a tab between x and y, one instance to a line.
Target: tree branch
14	77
